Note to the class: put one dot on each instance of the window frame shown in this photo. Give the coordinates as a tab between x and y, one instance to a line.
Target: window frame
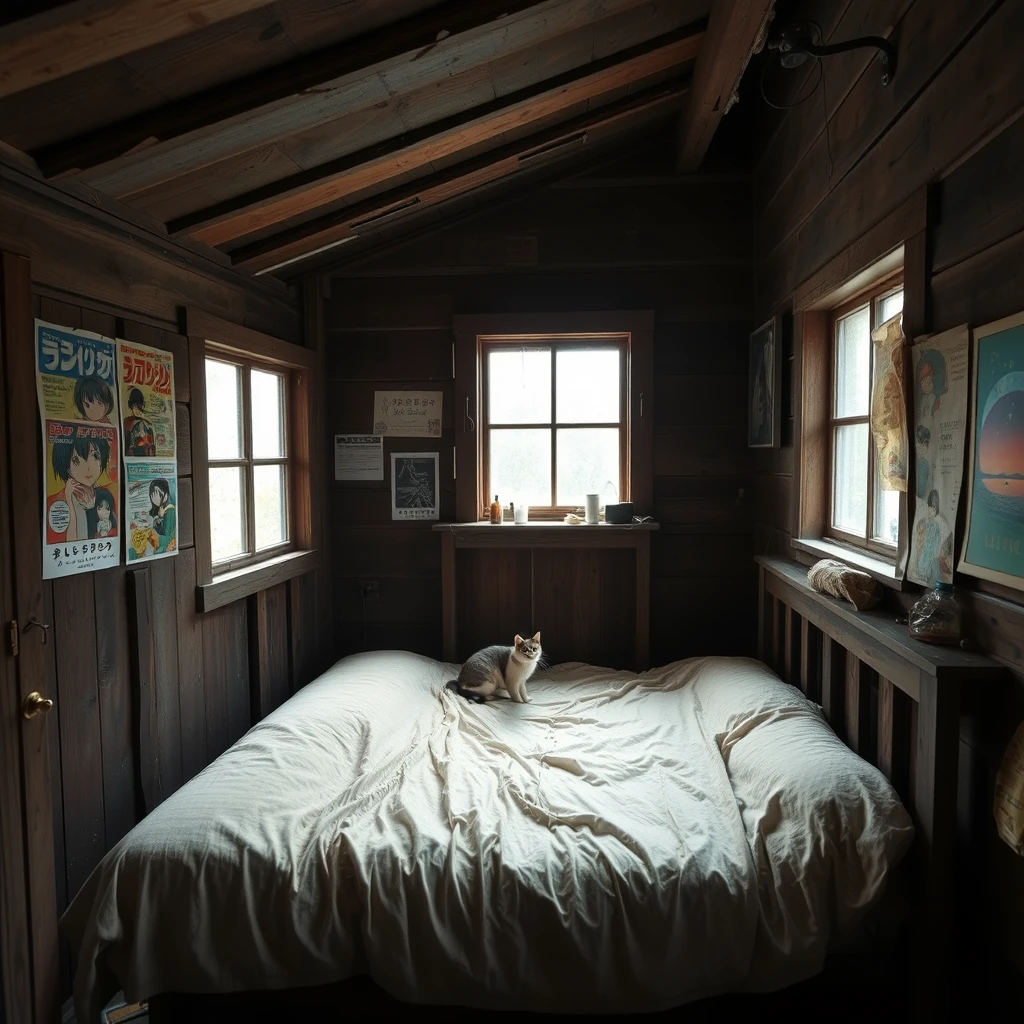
473	330
222	584
554	343
248	462
869	298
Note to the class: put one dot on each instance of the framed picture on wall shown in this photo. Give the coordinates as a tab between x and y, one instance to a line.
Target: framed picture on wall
764	401
993	548
414	485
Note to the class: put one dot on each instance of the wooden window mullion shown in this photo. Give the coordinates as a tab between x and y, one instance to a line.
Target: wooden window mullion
554	426
250	486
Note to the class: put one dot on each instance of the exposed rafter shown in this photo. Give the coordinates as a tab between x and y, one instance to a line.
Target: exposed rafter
315	236
330	182
736	30
81	35
416	34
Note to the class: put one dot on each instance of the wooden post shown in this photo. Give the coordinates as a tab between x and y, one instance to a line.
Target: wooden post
448	595
643	600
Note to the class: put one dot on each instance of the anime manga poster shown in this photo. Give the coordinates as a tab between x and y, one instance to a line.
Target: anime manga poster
146	384
151	498
940	425
77	390
994	547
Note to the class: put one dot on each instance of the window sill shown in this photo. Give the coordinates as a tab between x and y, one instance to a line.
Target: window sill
879	569
233	586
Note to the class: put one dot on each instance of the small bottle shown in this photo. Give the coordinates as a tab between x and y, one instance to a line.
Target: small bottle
495	512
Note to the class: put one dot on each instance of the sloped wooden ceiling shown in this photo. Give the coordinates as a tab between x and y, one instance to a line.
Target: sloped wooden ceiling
277	132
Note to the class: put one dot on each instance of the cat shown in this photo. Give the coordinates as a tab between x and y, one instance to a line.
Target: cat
495	668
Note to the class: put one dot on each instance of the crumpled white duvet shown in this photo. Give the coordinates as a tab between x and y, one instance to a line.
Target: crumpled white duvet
621	843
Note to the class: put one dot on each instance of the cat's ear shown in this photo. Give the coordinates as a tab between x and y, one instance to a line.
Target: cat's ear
518	640
536	637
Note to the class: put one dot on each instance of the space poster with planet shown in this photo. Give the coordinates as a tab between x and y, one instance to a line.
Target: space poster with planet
994	545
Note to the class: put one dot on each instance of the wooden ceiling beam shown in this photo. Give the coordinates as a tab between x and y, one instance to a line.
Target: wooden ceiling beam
315	236
300	193
416	34
736	31
80	35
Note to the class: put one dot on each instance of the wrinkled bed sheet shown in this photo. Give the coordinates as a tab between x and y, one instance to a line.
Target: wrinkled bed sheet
622	843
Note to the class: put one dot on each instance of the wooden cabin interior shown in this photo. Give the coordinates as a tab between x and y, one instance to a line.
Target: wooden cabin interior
389	259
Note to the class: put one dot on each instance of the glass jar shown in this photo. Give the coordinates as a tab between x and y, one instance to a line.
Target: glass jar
935	617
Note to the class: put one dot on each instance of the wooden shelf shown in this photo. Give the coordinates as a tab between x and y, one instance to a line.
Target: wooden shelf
875	628
546	535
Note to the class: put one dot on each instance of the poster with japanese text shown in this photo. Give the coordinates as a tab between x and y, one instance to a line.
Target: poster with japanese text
77	391
146	384
146	380
151	498
407	413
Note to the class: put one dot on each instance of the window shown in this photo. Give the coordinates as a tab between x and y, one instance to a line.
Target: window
554	422
860	511
247	450
253	408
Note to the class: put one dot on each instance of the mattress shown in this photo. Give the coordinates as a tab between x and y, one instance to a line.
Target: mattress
622	843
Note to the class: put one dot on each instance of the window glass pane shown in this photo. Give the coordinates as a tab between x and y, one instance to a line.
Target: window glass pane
227	513
521	466
886	514
588	463
850	479
223	410
889	306
270	505
519	385
588	385
267	393
853	362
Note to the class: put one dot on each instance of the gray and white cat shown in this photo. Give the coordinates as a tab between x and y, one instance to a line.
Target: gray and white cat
499	668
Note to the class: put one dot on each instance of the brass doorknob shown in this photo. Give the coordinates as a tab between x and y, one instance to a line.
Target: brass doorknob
36	704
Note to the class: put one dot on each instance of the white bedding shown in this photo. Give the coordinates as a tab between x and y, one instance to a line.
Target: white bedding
621	843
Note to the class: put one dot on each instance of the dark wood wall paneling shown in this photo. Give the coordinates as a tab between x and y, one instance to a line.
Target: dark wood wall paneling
632	236
147	690
958	75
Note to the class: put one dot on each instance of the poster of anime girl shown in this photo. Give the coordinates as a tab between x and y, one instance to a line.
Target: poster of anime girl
146	382
994	546
151	497
77	390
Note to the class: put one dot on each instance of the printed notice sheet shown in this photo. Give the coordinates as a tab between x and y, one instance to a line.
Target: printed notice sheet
407	413
358	457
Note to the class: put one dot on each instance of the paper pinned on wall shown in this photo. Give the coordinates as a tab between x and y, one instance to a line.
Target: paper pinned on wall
940	423
407	413
77	390
358	457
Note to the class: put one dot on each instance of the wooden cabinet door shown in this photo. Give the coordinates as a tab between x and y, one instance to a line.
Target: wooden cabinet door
28	895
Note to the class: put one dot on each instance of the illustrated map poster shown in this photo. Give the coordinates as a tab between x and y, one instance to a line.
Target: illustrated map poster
146	385
994	545
77	390
407	413
940	425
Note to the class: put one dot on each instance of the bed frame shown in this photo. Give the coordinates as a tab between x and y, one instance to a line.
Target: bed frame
894	701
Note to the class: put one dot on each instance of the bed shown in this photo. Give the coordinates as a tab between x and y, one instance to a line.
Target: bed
624	843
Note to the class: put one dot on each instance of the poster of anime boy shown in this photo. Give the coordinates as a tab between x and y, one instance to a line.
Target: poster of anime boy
994	546
146	380
939	428
151	497
77	390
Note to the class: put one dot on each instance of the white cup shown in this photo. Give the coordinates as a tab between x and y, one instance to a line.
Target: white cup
522	512
593	508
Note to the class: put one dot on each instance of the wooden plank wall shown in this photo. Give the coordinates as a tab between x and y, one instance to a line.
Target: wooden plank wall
959	76
631	236
147	691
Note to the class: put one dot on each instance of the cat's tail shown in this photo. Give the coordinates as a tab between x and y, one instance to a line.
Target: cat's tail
468	694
